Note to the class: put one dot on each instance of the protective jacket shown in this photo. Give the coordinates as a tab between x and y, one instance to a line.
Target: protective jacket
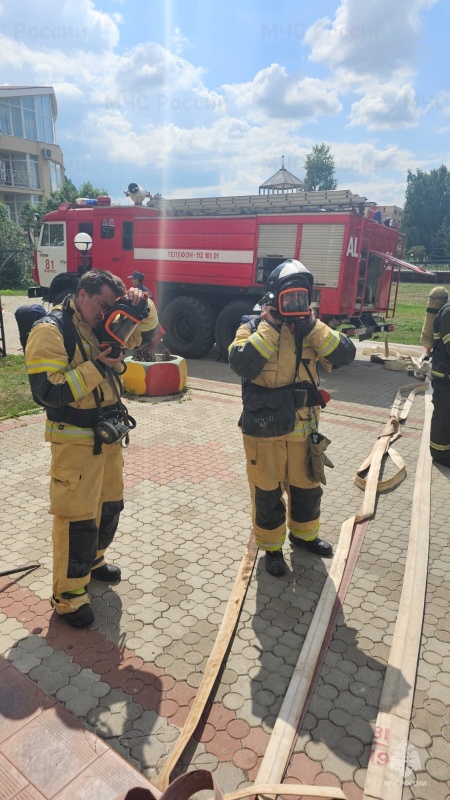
149	325
267	356
440	365
66	389
440	378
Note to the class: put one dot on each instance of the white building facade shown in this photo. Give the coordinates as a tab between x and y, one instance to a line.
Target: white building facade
31	163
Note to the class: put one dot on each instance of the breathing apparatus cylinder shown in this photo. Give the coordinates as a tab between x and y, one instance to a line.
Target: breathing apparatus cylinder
437	298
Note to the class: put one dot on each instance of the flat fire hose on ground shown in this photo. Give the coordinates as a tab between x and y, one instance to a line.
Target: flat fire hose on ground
186	786
277	756
284	734
394	715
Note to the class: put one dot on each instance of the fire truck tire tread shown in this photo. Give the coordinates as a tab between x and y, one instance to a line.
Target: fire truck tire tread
228	322
189	325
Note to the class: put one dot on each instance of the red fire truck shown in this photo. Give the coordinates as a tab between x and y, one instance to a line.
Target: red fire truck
206	260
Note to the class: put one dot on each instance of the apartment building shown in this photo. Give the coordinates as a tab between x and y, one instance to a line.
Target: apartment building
31	163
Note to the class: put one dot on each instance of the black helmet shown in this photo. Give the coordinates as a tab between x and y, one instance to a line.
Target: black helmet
289	275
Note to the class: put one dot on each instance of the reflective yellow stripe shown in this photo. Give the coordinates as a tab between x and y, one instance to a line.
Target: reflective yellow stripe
261	345
271	547
307	536
43	365
62	432
437	374
446	338
332	341
304	427
439	446
76	384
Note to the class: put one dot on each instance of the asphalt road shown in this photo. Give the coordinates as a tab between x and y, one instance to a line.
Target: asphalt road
357	384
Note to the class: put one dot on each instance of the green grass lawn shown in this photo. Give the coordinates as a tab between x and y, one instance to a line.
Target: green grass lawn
15	396
410	312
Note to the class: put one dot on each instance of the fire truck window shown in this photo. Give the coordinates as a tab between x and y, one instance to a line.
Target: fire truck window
45	235
127	236
86	227
107	229
56	235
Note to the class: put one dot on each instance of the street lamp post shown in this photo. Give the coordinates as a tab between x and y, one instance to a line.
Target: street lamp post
83	243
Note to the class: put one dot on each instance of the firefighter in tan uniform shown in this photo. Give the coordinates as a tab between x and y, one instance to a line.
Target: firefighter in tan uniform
86	487
276	356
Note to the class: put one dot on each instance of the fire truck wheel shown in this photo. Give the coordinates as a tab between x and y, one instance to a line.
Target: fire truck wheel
228	322
189	326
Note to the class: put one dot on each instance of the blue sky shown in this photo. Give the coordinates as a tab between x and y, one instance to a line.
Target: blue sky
197	98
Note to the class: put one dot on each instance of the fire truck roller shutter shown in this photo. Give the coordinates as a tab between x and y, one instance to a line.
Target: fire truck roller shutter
189	326
61	287
228	322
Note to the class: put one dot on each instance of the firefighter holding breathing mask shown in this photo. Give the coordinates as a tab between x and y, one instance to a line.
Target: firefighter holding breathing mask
73	357
276	356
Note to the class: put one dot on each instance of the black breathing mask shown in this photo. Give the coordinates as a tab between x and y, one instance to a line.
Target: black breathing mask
119	322
115	425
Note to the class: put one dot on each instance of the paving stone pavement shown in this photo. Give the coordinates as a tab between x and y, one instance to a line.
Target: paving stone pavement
131	678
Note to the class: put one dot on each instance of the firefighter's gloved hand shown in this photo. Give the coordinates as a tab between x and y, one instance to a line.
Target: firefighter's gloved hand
305	326
269	314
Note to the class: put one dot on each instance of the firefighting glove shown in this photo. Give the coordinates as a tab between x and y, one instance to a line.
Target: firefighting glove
317	460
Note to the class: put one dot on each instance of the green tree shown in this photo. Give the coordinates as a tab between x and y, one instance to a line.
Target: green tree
67	193
427	203
319	169
445	237
16	257
417	253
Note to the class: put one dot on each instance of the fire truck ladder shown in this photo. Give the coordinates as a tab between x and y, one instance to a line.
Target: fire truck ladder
393	294
294	202
363	265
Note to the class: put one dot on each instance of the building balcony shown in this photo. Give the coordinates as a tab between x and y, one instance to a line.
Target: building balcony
19	179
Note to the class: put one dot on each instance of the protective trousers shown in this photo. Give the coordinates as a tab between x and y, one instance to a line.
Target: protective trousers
86	498
440	425
275	466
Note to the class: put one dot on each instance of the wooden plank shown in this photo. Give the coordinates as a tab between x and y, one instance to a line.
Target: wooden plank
215	659
288	790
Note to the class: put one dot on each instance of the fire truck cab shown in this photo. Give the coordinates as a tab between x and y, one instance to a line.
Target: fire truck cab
207	260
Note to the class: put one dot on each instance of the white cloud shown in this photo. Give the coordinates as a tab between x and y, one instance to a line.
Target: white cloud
387	108
75	26
368	38
274	94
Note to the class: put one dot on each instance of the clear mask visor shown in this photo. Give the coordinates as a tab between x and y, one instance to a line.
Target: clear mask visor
293	302
122	319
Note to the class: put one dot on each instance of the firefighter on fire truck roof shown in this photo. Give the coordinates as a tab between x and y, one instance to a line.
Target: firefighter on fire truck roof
276	356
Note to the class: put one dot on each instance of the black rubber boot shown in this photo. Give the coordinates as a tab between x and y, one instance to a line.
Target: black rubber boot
275	563
108	573
317	546
80	618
